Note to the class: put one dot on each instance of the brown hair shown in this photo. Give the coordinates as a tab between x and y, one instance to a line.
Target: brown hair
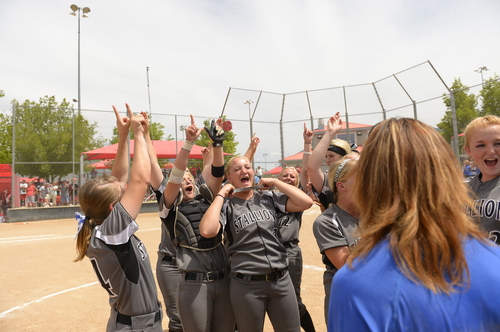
409	190
95	197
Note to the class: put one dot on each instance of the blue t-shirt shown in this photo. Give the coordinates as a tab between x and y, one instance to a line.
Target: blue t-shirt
376	296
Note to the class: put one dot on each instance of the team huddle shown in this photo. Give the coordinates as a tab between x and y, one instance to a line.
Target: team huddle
396	214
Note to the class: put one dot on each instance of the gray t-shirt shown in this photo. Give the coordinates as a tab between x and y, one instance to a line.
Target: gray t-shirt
252	229
122	265
335	228
487	203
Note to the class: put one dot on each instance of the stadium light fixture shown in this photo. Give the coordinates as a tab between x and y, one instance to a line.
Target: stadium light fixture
85	10
480	70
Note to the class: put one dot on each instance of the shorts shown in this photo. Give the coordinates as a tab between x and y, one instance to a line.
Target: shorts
64	199
30	199
23	196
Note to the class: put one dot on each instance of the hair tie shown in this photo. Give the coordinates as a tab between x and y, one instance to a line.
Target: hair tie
337	173
80	218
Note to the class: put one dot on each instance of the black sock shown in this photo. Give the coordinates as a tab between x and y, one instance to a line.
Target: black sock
306	322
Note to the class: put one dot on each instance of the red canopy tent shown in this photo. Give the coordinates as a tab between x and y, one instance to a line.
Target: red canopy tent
164	150
103	164
273	171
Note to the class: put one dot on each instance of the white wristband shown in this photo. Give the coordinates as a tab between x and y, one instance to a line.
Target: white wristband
188	145
305	152
176	175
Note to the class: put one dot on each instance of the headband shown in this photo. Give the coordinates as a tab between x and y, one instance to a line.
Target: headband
341	167
337	150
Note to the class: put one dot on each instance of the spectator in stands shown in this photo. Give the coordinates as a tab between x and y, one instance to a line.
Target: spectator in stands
22	191
6	204
31	191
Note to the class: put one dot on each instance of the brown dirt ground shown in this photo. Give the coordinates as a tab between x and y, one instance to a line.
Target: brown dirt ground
43	290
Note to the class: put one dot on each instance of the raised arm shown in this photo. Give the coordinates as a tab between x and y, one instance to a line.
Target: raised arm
156	173
210	225
315	161
252	148
304	174
140	172
297	199
121	164
208	156
181	162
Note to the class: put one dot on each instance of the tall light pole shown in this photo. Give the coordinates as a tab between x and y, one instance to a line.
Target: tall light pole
249	102
85	11
480	70
265	161
183	129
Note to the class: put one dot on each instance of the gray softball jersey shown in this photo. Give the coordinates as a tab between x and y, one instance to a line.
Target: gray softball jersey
325	194
166	247
252	228
334	228
122	264
487	203
289	225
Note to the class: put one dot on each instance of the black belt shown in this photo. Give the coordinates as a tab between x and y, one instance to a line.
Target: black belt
208	276
168	258
267	277
127	320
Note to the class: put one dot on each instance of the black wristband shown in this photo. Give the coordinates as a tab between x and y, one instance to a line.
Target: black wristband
217	171
220	196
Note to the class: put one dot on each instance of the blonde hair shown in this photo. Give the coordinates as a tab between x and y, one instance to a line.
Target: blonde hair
295	171
344	167
95	197
481	122
344	145
409	190
230	164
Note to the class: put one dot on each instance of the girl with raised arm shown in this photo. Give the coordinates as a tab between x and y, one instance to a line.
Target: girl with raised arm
203	289
107	234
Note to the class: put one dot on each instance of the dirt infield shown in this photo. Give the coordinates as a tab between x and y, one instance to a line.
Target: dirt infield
43	290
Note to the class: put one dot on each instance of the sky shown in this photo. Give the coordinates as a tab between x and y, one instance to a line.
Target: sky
295	60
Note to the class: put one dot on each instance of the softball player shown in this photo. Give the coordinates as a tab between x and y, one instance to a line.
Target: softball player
481	144
335	228
332	150
106	235
260	281
203	288
289	225
167	273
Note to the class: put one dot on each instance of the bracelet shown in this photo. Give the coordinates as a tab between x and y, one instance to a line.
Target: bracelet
305	152
307	142
188	145
220	196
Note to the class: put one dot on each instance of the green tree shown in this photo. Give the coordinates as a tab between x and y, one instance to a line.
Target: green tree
490	95
465	105
230	143
5	139
44	133
156	131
